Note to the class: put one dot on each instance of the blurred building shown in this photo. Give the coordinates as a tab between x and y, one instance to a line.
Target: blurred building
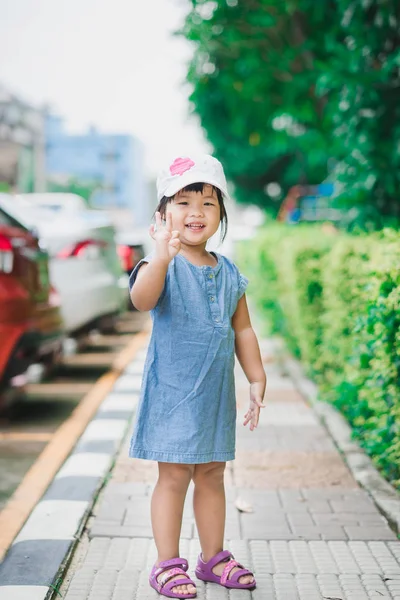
113	161
22	150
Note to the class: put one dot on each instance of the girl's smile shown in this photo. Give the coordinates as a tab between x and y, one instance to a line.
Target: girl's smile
195	226
196	215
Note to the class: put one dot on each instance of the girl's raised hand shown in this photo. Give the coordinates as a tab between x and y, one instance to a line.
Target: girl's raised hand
167	241
256	404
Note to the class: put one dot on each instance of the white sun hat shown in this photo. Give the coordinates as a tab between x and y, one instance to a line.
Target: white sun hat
181	172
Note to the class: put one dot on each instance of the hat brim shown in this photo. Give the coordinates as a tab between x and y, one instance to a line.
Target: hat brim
189	178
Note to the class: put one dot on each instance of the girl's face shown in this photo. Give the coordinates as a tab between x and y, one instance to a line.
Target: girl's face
196	215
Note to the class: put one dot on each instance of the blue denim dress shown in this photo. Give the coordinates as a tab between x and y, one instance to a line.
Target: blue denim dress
187	408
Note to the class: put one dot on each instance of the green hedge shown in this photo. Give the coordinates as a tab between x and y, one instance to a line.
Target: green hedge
335	298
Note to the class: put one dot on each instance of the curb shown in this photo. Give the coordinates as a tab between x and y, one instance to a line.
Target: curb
386	498
38	557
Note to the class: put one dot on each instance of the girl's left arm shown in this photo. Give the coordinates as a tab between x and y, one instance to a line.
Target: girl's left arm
249	356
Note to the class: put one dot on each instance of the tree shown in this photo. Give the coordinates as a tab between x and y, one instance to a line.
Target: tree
363	84
253	73
281	88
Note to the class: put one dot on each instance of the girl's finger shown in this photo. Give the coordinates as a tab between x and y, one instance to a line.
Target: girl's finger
254	420
168	225
175	234
151	230
158	220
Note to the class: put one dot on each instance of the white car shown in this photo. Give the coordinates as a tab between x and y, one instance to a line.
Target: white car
84	265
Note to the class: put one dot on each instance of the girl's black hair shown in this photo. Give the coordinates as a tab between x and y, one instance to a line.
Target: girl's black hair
199	187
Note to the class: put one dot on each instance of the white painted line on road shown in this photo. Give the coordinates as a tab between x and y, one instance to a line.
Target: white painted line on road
128	383
119	402
90	464
25	592
135	363
104	429
53	520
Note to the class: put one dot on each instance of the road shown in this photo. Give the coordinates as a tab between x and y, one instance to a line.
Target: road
33	420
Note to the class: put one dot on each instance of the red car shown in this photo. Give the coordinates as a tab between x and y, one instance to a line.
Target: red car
31	328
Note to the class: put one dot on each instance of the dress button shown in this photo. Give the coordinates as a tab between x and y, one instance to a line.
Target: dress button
210	276
216	320
212	298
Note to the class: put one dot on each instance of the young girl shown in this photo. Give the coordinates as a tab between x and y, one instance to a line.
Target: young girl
187	412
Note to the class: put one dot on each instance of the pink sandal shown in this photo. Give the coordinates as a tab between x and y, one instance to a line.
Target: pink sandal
171	568
204	571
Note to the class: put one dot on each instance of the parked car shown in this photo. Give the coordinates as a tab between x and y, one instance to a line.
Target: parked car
31	327
84	265
130	243
132	246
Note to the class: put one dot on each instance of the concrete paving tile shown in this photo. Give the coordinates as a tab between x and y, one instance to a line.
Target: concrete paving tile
350	518
112	511
364	505
306	505
333	533
368	532
130	490
284	396
271	470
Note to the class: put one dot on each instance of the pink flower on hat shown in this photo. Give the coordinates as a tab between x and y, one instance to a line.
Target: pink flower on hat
181	165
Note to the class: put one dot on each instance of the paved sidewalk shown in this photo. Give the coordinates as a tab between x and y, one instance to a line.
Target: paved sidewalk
312	533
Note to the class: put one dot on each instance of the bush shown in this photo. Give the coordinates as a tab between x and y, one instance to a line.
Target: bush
347	272
299	258
258	262
370	395
336	300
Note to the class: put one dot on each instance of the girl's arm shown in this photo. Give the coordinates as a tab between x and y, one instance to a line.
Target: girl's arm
249	356
150	280
149	284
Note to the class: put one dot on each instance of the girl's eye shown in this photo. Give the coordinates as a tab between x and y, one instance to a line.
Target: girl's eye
183	202
209	204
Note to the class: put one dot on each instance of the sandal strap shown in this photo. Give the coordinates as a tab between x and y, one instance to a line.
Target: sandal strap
173	562
169	586
240	573
220	557
227	570
168	575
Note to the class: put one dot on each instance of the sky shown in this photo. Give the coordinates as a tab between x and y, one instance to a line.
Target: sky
113	64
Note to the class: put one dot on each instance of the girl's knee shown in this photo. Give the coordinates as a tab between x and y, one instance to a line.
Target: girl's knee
175	476
209	474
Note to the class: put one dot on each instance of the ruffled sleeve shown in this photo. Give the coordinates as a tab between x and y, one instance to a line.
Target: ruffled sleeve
133	276
243	283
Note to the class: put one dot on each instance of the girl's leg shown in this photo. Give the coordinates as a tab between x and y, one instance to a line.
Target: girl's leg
209	506
167	510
